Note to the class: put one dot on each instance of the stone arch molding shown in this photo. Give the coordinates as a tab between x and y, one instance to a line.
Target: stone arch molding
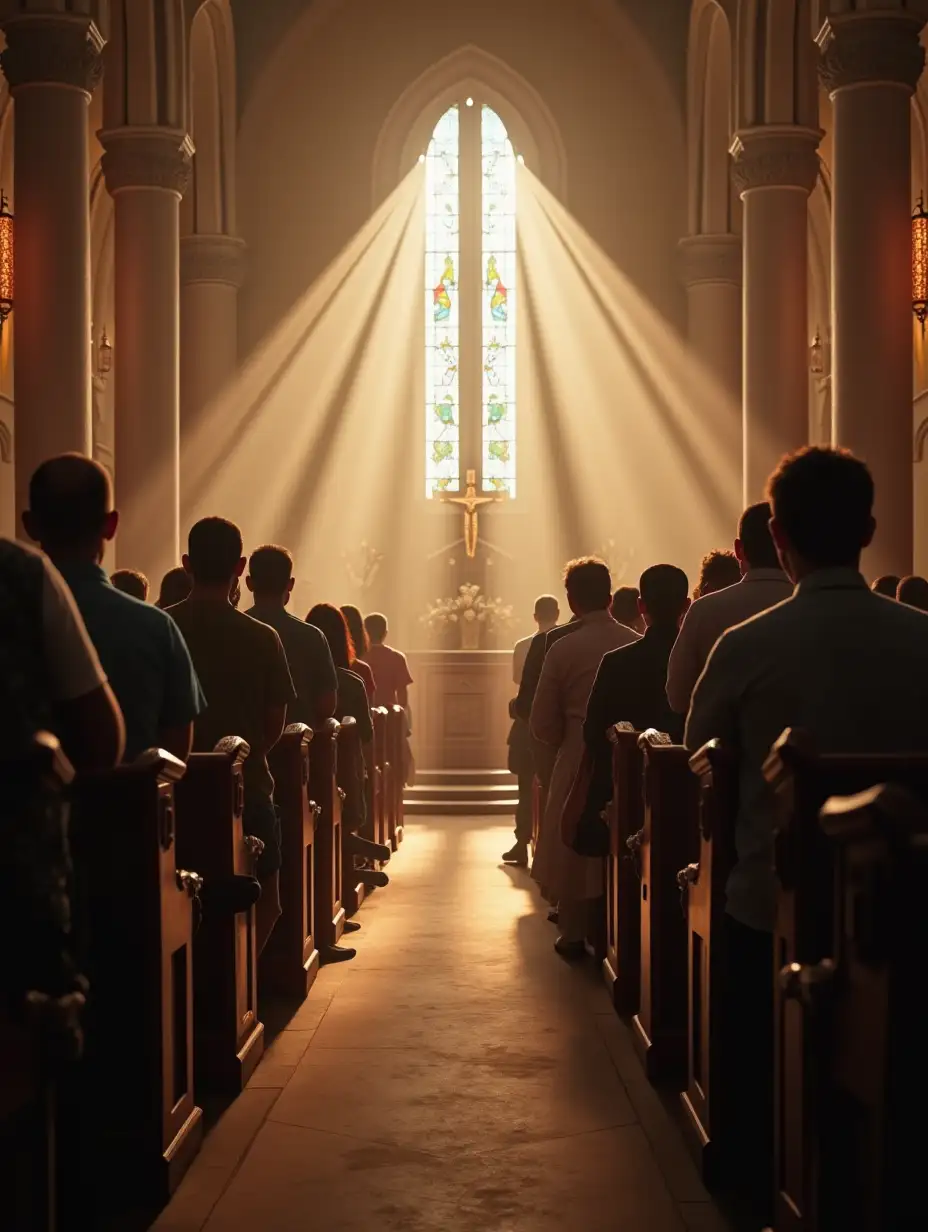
710	95
470	70
209	205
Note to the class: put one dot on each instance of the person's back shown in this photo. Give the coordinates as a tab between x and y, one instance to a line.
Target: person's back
913	591
392	677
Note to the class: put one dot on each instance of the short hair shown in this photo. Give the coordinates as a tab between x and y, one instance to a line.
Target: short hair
331	623
214	546
547	608
175	587
664	593
270	569
625	605
69	498
717	571
376	626
913	591
760	551
587	581
131	582
356	628
887	585
823	500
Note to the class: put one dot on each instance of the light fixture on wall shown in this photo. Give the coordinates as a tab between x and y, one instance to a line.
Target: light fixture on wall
104	356
7	255
920	262
817	355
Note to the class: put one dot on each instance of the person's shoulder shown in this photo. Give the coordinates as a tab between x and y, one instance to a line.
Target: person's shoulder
617	659
762	627
900	619
524	642
143	616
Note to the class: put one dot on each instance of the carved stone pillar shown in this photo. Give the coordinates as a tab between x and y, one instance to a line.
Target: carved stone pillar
711	269
52	62
211	272
775	169
147	171
871	63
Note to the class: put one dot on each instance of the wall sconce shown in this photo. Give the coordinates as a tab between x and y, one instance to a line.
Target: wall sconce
920	262
7	254
817	355
104	356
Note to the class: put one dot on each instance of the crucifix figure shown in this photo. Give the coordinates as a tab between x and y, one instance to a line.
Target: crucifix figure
471	502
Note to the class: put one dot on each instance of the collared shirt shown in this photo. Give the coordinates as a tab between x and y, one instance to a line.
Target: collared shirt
143	654
707	620
519	655
846	665
308	657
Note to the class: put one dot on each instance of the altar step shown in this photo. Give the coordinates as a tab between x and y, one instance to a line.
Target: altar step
460	792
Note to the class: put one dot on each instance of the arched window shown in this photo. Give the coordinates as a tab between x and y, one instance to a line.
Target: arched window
470	317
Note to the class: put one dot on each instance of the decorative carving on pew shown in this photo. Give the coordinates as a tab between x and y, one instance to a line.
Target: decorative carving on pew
622	963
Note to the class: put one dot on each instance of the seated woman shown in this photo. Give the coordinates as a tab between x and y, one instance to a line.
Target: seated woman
360	644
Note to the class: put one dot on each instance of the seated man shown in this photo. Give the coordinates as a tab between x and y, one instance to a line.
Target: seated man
834	660
244	670
630	685
144	656
625	609
391	671
913	591
887	585
762	585
131	582
270	580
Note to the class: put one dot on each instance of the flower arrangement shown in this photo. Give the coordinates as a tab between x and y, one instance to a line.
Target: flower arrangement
469	610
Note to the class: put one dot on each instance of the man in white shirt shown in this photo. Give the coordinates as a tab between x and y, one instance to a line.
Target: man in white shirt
546	615
763	584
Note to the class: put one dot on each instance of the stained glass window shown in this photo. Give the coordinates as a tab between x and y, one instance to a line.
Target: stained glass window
442	313
498	209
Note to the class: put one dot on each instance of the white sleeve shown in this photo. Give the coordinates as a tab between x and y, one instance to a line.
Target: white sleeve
73	666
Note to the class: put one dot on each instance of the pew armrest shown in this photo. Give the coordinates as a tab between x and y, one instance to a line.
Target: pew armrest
233	747
161	762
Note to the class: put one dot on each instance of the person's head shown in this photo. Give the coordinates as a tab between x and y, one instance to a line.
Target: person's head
887	585
588	585
131	582
822	505
625	608
359	639
214	555
376	628
270	574
913	591
175	588
717	571
664	597
71	510
331	623
547	611
754	546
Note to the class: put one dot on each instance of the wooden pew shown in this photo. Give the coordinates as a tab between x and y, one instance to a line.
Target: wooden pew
622	964
133	1103
538	809
396	743
290	961
350	775
803	781
329	912
667	841
32	792
867	1018
710	1071
228	1035
380	777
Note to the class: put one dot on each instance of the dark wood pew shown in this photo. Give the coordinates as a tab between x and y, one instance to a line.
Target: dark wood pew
350	777
538	809
667	841
710	1071
380	778
329	912
867	1019
290	961
803	781
228	1035
133	1103
396	743
32	1020
622	964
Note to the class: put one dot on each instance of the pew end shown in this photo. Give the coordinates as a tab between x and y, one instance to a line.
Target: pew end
381	779
622	963
350	776
329	920
398	750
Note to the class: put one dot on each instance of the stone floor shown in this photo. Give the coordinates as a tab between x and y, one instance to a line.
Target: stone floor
457	1076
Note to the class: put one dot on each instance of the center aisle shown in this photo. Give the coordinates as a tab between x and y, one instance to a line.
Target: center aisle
457	1076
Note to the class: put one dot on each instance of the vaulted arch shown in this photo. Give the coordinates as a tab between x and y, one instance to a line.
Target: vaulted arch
710	92
209	205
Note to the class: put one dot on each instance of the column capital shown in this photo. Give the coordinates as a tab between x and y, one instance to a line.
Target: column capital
147	157
61	49
775	156
710	258
212	258
871	47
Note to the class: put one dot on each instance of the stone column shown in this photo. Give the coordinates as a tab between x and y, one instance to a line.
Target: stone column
775	169
871	63
147	171
711	269
211	270
52	61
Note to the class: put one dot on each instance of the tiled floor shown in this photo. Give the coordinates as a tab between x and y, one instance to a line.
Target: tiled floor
457	1076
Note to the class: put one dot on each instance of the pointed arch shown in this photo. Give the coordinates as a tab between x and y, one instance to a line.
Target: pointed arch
209	206
710	122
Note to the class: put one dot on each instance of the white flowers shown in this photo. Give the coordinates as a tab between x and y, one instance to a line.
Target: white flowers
468	605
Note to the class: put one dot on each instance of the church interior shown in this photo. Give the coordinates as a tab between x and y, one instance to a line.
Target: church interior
438	299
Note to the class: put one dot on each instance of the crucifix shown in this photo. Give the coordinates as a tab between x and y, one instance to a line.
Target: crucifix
471	502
